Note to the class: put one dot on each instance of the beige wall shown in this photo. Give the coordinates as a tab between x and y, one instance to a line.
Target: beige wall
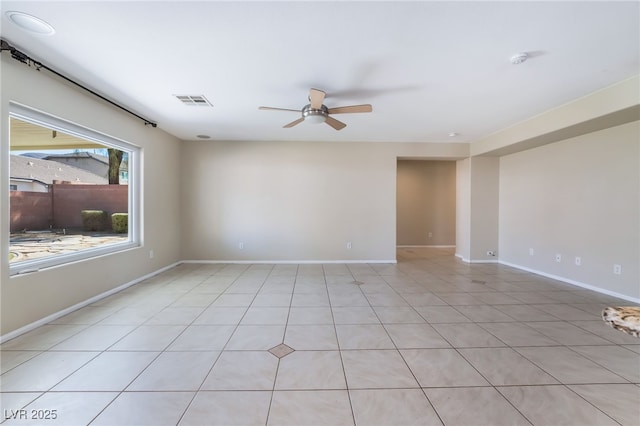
294	201
31	297
579	197
477	209
484	208
463	209
426	203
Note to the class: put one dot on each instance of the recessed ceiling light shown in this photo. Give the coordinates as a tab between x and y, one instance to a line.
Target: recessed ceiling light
453	134
203	137
30	23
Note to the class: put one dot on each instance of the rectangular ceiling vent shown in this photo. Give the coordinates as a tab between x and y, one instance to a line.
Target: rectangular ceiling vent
193	100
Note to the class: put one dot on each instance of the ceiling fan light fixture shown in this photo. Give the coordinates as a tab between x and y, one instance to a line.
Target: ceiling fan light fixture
30	23
315	116
316	112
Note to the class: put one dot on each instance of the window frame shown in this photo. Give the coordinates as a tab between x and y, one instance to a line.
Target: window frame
49	121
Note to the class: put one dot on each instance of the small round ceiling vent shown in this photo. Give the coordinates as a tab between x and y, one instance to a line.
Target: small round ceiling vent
519	58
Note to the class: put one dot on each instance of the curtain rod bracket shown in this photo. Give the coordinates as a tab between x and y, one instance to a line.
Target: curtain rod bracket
27	60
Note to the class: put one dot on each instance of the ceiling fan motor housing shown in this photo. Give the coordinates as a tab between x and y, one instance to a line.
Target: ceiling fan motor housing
315	115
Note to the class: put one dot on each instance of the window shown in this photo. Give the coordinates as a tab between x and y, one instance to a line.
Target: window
68	183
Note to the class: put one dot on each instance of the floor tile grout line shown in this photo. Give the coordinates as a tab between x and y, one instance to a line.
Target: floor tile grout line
145	369
195	393
474	367
335	330
565	386
513	405
561	382
220	352
397	350
602	337
418	381
284	335
344	370
104	408
571	348
494	387
612	344
418	386
142	324
589	402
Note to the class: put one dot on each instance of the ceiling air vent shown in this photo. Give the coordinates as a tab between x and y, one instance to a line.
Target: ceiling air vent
193	100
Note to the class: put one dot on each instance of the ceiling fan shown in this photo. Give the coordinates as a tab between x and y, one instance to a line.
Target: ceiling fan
316	112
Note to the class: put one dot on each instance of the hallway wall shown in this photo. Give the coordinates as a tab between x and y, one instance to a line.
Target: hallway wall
426	203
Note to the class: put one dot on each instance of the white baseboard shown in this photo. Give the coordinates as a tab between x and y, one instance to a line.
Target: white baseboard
426	246
465	260
29	327
573	282
287	262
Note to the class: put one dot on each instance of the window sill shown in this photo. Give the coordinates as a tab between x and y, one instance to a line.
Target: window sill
37	265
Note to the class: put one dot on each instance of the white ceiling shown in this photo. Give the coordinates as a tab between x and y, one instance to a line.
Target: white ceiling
428	68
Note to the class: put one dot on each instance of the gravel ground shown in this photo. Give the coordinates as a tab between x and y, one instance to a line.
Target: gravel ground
36	244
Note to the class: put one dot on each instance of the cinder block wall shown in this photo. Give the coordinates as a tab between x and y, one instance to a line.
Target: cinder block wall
70	200
61	207
30	210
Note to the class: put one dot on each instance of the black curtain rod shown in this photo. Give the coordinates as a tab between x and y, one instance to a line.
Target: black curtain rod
25	59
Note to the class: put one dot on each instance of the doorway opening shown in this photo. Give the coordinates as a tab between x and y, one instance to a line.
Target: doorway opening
425	203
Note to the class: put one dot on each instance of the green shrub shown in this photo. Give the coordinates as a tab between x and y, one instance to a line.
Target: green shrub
120	222
94	220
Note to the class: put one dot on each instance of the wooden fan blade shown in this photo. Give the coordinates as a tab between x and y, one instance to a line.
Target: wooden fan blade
316	98
351	109
293	123
264	108
338	125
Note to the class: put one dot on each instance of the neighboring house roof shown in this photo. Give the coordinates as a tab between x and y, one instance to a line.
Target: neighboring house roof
34	154
83	154
47	171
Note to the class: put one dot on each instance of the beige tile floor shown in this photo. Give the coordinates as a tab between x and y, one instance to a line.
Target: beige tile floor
430	341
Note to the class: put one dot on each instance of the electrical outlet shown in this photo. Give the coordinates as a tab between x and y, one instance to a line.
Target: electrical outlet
241	246
558	257
578	261
430	235
150	254
531	252
617	269
349	245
